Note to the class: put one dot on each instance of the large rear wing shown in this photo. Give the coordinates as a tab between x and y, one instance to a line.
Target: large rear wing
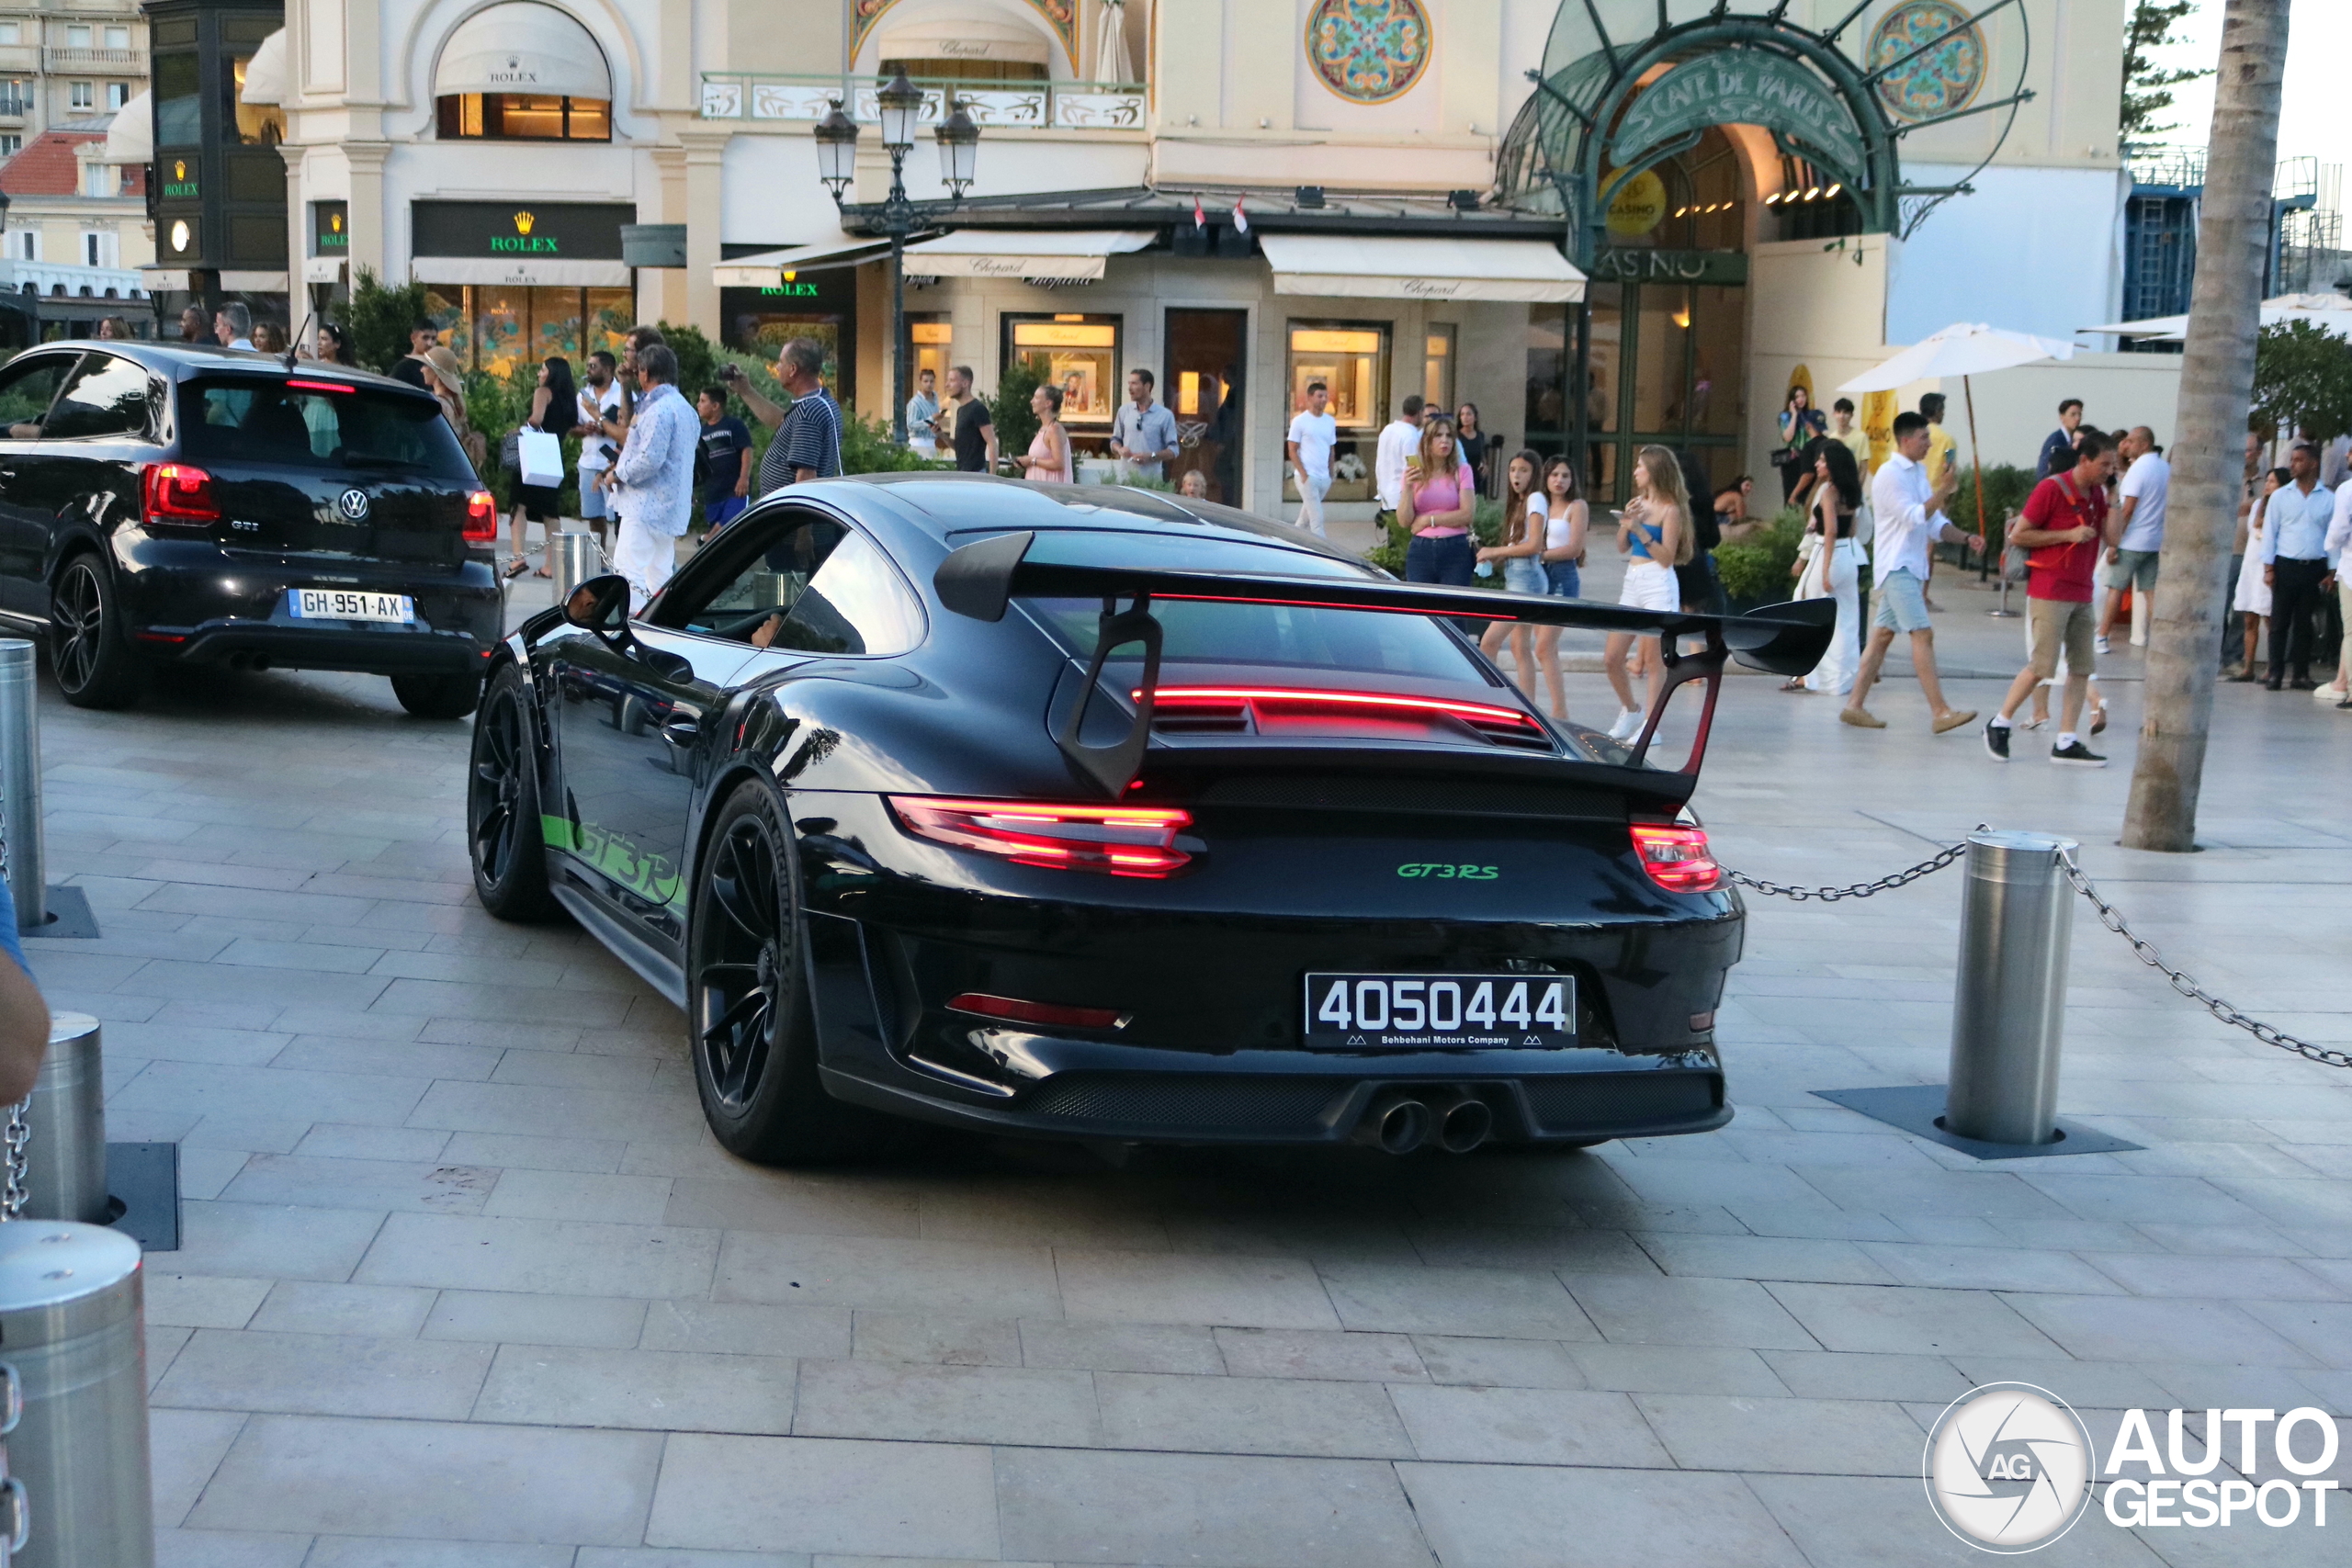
981	579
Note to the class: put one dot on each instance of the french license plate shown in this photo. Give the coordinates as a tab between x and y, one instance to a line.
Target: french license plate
349	605
1441	1011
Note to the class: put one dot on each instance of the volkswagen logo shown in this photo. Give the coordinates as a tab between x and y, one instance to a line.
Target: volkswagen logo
2008	1468
353	504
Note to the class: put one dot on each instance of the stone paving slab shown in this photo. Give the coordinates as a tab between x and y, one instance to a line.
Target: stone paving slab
466	1284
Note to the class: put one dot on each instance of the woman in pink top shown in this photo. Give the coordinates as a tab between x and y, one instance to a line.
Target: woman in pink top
1435	508
1049	460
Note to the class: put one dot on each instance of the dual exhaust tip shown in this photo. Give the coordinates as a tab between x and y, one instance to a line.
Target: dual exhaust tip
1400	1121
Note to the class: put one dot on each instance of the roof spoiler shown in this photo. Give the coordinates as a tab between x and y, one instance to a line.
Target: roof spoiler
981	579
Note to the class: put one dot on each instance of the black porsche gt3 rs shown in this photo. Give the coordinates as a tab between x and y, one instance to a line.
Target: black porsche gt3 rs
1085	812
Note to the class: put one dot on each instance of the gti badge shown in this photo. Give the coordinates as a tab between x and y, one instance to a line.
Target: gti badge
353	504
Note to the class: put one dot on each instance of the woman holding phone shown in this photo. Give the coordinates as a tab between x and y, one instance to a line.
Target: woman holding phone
1654	530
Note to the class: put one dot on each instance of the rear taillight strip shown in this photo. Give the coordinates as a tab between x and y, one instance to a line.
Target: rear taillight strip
1124	840
1279	696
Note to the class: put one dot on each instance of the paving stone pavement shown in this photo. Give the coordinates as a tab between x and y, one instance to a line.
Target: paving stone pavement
465	1283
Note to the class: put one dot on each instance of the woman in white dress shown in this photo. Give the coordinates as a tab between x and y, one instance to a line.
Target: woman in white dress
2252	597
1834	568
1654	530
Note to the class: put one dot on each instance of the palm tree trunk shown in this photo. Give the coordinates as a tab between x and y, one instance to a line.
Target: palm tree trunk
2216	387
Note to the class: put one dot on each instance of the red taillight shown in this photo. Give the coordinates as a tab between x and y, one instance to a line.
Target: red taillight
1125	841
1211	703
1017	1011
1677	858
177	493
481	518
322	386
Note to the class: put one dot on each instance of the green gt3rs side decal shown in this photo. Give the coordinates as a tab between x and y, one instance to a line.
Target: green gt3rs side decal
650	877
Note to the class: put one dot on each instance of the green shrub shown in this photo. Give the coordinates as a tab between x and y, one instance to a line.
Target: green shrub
2005	487
1016	421
378	320
1755	569
699	359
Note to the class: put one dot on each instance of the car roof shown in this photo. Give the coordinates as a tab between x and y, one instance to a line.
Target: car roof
942	503
179	361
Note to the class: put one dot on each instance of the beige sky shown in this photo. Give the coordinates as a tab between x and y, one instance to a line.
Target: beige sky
2311	118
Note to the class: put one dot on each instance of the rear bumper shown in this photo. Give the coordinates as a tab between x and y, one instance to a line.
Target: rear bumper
1279	1098
196	602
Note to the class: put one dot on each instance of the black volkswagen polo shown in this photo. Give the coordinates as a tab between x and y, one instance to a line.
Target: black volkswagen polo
169	504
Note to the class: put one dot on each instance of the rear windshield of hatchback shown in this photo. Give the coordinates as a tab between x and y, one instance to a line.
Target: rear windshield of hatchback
253	419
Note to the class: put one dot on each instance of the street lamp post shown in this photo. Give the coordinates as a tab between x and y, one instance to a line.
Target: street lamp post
897	215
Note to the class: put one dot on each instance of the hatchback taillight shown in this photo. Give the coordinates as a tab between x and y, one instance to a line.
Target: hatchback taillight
1677	858
481	518
177	493
1125	841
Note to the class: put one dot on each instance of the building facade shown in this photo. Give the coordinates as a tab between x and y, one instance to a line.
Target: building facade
1239	198
66	60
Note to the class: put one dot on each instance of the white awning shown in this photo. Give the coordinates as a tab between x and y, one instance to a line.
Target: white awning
1409	267
2330	312
522	47
765	269
266	72
549	271
1064	254
131	137
948	37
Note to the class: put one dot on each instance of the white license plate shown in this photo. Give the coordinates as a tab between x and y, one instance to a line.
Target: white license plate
349	605
1439	1012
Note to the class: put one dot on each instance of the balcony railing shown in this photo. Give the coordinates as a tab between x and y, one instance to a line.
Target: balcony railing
1030	105
14	107
107	62
66	280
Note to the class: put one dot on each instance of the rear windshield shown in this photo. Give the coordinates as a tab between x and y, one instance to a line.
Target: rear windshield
1292	637
253	419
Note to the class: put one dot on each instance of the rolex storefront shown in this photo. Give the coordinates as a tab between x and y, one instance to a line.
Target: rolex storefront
510	283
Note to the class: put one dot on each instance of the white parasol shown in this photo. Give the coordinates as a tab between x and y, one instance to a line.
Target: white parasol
1111	59
2331	312
1962	350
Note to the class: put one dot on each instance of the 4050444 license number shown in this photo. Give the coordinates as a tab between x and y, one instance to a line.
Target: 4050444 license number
1439	1005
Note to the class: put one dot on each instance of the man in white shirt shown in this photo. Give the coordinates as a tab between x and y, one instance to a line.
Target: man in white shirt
1399	439
1313	433
2132	563
1910	521
602	412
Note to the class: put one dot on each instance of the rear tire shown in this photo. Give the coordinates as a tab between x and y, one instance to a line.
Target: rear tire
93	660
751	1030
502	837
438	697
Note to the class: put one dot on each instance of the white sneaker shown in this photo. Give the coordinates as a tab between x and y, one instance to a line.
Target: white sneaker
1628	724
2102	645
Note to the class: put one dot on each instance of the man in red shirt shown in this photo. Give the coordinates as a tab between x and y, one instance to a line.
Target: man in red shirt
2067	529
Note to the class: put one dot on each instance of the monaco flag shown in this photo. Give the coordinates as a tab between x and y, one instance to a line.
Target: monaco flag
1240	219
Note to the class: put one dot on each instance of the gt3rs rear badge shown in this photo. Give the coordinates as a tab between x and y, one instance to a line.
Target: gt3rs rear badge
1440	871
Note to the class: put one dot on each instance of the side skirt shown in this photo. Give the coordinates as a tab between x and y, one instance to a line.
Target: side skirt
657	969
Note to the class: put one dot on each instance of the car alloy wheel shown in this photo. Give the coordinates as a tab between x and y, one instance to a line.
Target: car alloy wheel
750	966
503	833
94	667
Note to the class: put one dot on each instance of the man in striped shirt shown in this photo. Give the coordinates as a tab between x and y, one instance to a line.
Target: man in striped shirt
808	444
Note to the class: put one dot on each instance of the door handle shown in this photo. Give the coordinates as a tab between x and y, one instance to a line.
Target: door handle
682	732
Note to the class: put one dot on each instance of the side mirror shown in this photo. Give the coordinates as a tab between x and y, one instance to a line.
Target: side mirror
599	605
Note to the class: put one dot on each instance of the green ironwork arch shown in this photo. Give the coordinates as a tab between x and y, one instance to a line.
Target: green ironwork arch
1562	142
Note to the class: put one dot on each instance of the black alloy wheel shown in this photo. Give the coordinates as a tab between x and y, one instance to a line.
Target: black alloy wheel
437	696
94	662
502	837
753	1032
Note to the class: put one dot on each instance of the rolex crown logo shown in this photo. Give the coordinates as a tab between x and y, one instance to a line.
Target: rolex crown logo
179	169
523	221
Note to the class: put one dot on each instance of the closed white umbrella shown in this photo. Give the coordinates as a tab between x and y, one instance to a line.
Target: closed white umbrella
1111	59
1962	350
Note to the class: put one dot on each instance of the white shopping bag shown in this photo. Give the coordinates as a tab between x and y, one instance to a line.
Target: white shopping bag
540	458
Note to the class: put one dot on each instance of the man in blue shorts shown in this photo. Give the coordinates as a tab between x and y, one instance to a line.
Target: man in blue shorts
1910	520
726	462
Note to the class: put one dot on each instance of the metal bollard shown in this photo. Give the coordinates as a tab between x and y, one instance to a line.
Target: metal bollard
577	557
72	1327
20	781
65	1160
2008	1017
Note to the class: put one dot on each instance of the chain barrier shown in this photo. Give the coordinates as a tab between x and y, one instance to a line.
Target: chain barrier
2145	951
1859	889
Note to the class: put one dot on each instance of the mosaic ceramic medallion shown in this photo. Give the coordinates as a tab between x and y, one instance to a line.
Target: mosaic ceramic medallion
1939	78
1368	51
